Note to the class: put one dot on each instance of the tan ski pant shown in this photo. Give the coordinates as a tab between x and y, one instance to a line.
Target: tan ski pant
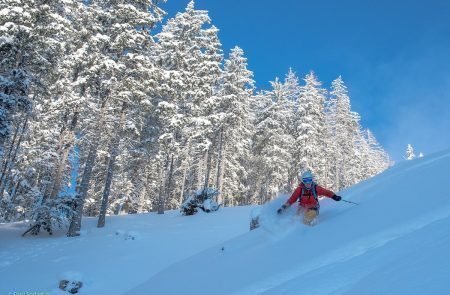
309	215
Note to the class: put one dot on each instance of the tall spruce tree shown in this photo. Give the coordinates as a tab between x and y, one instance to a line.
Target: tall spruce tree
291	91
190	54
271	144
311	130
234	128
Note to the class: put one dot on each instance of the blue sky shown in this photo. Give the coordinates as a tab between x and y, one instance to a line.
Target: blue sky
393	55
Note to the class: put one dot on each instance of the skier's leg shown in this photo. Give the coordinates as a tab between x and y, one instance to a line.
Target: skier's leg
310	216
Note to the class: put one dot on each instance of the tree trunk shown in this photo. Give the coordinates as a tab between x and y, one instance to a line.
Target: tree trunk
75	224
48	187
11	158
182	185
13	192
163	177
208	167
200	166
110	170
68	141
220	168
143	192
186	163
8	157
170	179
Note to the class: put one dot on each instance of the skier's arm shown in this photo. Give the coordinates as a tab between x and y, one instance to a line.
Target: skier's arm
290	201
324	192
294	197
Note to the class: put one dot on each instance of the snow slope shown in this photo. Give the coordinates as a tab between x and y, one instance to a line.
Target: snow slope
396	242
109	260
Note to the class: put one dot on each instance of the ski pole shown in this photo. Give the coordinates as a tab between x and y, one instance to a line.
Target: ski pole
349	202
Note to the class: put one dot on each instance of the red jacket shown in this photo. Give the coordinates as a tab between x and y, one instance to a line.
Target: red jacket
307	200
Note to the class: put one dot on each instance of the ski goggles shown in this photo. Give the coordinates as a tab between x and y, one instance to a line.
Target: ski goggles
307	180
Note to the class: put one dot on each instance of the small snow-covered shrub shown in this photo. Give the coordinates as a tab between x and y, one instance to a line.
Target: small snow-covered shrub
51	214
203	199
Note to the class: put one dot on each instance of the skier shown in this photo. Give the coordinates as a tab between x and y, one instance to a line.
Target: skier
307	194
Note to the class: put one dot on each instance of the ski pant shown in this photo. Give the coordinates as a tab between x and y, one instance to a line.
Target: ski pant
309	214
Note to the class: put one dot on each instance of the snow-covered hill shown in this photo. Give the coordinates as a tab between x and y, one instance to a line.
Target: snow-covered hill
395	242
114	259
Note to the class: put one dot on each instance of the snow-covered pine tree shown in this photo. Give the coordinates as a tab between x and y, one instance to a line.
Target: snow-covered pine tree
119	64
291	87
126	24
190	54
40	36
234	128
378	159
343	127
94	76
24	55
291	90
271	144
78	102
362	155
136	184
355	156
205	103
410	155
352	153
310	140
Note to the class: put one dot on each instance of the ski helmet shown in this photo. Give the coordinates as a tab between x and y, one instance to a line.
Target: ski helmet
306	177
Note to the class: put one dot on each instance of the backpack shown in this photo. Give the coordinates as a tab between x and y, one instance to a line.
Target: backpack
314	192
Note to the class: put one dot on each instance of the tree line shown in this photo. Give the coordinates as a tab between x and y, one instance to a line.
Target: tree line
100	115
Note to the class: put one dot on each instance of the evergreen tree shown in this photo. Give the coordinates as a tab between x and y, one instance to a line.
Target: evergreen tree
343	128
38	37
311	130
124	41
378	159
234	127
271	144
190	54
128	44
410	152
291	91
352	153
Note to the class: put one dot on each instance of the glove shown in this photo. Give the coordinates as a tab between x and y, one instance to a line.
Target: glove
279	211
336	198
